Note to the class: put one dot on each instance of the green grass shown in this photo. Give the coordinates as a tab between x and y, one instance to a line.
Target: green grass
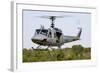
77	52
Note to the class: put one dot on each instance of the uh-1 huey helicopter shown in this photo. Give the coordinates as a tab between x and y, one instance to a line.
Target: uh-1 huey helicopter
53	36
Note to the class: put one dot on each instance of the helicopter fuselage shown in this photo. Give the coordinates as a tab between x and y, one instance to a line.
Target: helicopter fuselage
47	37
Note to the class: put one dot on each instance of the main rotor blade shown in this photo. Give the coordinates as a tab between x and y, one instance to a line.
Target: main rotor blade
51	16
48	17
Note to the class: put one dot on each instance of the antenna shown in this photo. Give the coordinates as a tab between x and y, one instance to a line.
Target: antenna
42	27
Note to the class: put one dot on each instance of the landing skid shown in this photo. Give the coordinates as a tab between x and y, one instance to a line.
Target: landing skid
49	49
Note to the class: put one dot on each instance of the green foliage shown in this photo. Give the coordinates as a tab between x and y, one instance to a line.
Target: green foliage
77	52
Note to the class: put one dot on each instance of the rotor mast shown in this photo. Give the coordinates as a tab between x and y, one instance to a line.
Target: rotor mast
52	18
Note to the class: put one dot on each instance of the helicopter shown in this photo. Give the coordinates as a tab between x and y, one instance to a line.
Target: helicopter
53	36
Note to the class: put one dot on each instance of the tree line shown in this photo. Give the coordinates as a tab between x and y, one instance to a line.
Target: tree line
76	52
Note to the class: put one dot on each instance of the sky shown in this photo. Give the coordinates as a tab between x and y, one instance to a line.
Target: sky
68	24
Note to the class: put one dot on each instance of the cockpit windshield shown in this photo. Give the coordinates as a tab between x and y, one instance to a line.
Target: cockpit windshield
37	31
41	31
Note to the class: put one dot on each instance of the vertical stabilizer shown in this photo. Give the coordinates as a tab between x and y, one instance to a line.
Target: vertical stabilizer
79	34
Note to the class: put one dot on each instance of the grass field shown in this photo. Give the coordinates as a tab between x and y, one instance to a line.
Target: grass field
77	52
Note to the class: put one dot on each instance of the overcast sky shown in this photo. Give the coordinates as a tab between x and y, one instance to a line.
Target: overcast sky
68	24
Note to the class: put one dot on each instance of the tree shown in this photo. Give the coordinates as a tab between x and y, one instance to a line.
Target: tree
77	50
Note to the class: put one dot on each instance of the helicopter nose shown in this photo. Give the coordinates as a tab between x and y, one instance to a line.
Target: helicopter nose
34	39
38	38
